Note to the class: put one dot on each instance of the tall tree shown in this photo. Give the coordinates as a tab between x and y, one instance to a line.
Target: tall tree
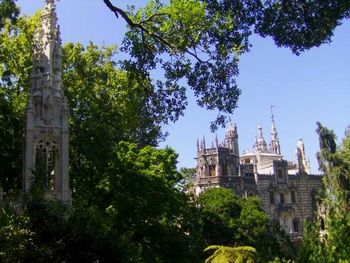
329	238
106	107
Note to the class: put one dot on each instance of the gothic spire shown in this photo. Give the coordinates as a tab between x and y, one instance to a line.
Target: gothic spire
47	43
46	130
261	144
275	144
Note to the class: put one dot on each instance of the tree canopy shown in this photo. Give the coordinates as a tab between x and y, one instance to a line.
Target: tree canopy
201	42
232	221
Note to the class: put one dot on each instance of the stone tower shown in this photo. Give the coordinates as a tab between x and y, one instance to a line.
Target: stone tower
46	118
218	165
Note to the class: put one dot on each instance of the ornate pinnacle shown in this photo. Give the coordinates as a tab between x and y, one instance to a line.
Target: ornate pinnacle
50	5
50	2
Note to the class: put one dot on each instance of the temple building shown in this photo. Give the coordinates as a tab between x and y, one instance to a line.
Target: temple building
46	119
286	188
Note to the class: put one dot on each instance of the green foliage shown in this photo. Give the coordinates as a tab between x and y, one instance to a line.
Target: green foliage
187	178
138	195
224	254
229	220
8	10
301	25
106	106
16	237
329	242
15	67
200	42
187	40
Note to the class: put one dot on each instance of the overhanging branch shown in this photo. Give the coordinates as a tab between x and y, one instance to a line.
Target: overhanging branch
120	12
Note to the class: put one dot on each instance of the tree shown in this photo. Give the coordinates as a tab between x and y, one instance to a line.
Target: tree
231	221
15	68
106	107
329	240
16	237
224	254
137	214
202	41
8	10
187	178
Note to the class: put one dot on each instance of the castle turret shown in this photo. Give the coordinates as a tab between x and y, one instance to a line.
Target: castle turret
46	132
260	144
231	138
275	143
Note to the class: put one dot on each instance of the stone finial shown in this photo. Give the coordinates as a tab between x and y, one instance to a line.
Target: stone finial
50	3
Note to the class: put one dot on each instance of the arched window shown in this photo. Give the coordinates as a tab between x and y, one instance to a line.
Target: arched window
212	171
46	162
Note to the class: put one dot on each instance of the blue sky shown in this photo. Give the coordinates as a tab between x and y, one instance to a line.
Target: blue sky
314	86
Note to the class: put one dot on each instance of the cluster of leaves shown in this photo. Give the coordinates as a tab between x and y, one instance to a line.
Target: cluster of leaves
16	238
301	25
8	10
329	241
106	107
226	254
15	68
232	221
200	42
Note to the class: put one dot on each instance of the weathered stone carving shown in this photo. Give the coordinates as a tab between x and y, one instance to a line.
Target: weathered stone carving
46	132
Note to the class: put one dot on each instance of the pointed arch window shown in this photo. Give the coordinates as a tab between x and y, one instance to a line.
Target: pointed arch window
212	171
46	164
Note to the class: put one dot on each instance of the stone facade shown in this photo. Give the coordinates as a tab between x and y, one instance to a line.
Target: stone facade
287	189
46	118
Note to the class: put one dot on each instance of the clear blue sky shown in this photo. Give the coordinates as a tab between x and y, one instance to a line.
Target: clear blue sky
314	86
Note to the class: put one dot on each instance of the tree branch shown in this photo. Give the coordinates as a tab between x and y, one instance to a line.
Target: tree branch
117	11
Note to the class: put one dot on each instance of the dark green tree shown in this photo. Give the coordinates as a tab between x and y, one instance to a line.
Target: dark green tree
232	221
15	68
328	240
136	215
8	10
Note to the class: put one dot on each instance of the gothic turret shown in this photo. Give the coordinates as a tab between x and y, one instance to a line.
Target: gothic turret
46	132
260	143
275	143
231	138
